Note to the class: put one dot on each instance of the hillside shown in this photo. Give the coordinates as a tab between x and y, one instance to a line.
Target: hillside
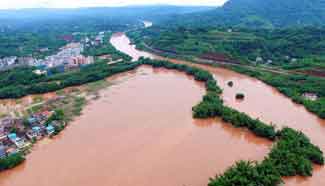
258	13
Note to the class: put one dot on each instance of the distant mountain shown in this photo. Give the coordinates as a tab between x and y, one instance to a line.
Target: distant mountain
122	12
22	18
260	13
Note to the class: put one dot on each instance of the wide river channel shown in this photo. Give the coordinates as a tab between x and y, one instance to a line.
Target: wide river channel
141	132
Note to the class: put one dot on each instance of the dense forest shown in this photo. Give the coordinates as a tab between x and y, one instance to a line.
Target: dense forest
288	48
255	14
22	44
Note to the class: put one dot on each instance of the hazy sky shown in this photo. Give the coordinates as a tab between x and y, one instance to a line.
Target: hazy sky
8	4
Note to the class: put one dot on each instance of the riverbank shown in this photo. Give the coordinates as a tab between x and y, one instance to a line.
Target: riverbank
292	155
256	92
46	118
201	75
136	124
284	82
205	76
40	121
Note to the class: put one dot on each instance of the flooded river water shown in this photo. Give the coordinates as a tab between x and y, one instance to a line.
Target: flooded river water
141	133
261	101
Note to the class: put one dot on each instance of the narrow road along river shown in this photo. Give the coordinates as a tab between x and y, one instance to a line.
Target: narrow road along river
261	101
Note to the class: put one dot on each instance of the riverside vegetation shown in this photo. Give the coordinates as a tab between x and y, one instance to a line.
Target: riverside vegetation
293	86
11	161
292	154
20	82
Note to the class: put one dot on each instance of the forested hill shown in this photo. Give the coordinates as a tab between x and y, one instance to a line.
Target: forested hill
257	14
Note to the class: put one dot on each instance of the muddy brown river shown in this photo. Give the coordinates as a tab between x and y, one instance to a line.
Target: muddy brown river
261	101
141	133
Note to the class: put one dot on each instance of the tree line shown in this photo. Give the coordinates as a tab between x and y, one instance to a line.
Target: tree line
11	161
19	82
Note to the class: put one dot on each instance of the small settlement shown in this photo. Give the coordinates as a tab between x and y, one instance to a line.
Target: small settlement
17	134
68	57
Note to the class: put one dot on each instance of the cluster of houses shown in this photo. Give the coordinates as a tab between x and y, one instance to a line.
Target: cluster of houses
69	57
14	61
260	60
310	96
94	40
17	135
8	61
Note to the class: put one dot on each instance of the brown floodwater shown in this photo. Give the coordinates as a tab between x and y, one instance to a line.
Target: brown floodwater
139	133
121	42
261	101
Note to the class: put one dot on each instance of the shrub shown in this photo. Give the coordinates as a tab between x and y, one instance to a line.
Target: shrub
11	161
240	96
294	154
246	173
